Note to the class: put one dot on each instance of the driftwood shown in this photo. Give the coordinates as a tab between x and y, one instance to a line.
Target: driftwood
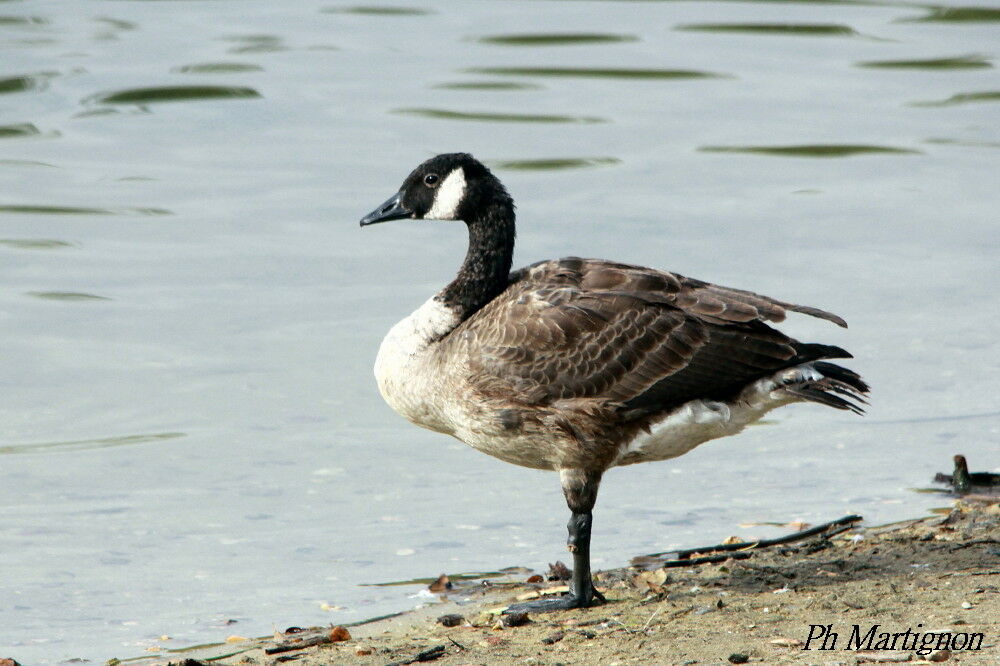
741	550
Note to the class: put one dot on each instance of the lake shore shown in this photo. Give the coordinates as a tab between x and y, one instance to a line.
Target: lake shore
924	590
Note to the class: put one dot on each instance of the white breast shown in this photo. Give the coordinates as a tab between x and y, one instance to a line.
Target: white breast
407	376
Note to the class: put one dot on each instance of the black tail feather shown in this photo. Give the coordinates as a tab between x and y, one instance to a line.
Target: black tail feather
842	375
837	381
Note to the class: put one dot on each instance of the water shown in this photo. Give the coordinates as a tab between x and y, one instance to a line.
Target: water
190	430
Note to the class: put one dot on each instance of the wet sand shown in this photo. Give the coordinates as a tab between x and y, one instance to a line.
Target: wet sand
924	584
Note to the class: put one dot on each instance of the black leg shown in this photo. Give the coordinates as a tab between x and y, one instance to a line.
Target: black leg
580	489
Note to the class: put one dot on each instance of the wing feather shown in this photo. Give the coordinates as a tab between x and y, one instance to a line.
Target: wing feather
643	339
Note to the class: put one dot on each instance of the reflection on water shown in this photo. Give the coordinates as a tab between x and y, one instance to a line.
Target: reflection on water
597	72
79	210
964	98
34	243
488	85
204	164
959	142
801	29
445	114
956	62
958	15
256	44
154	95
24	82
218	68
25	163
86	444
20	129
378	10
66	296
814	150
554	164
556	39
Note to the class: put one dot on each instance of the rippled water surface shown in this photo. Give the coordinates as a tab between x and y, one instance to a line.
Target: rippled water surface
190	430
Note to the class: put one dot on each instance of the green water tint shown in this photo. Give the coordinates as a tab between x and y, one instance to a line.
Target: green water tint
24	82
487	85
811	150
29	209
966	144
957	62
22	20
256	44
117	23
86	444
74	296
34	243
20	129
957	15
797	29
218	68
555	164
556	39
161	94
378	10
964	98
27	163
598	72
444	114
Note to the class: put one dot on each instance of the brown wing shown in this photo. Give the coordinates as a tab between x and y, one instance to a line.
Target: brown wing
647	340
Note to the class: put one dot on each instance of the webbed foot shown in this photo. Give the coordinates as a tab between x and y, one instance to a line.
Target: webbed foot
565	602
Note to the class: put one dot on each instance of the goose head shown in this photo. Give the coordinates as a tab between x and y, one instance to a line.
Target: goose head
452	186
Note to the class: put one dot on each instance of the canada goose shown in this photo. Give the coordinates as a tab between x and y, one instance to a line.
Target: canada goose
579	365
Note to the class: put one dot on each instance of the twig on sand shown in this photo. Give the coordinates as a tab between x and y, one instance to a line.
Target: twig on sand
646	626
740	550
430	654
298	644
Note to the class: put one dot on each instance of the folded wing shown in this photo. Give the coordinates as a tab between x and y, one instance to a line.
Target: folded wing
642	339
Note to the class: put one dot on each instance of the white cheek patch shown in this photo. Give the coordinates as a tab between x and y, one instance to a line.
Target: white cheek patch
448	196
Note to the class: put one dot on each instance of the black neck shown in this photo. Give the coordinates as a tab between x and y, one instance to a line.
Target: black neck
486	267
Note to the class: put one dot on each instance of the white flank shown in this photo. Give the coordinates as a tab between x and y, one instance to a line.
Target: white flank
699	421
447	197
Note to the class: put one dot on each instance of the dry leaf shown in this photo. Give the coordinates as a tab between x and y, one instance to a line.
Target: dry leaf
362	652
728	541
535	579
338	634
652	581
236	639
798	525
786	642
532	594
559	571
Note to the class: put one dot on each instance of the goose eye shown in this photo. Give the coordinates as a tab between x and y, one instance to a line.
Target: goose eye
431	179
